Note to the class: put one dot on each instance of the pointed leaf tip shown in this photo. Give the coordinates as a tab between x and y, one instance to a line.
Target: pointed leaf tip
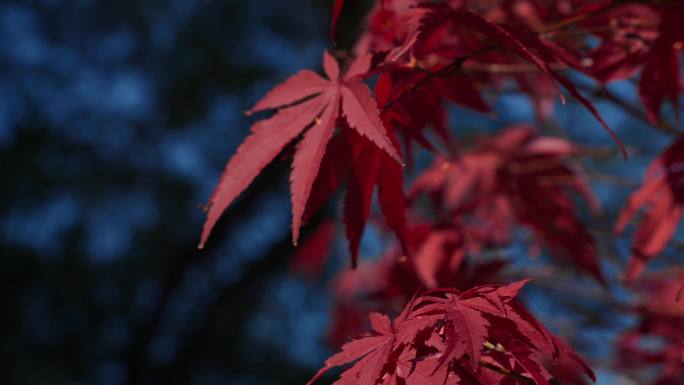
362	114
331	67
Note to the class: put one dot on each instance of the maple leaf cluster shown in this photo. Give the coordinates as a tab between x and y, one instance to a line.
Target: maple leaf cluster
514	178
424	54
423	58
483	335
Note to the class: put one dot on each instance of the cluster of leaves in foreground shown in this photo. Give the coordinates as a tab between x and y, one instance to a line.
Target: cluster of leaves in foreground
481	336
423	58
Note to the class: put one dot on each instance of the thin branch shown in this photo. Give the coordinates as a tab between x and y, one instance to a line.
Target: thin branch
455	66
509	69
566	22
603	92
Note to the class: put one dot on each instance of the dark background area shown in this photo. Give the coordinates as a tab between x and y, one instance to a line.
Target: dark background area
116	119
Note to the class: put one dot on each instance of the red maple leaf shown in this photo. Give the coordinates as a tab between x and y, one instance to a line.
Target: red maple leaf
307	103
662	193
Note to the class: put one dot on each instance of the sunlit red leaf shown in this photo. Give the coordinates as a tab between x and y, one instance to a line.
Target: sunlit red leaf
327	101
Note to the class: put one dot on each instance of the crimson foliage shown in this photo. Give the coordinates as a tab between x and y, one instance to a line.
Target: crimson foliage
421	56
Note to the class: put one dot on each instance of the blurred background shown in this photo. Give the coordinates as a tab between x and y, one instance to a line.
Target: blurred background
116	119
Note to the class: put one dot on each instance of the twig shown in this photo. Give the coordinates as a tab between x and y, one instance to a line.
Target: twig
602	92
454	66
509	69
566	22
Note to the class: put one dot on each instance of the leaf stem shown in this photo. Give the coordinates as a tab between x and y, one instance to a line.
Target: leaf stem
454	66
